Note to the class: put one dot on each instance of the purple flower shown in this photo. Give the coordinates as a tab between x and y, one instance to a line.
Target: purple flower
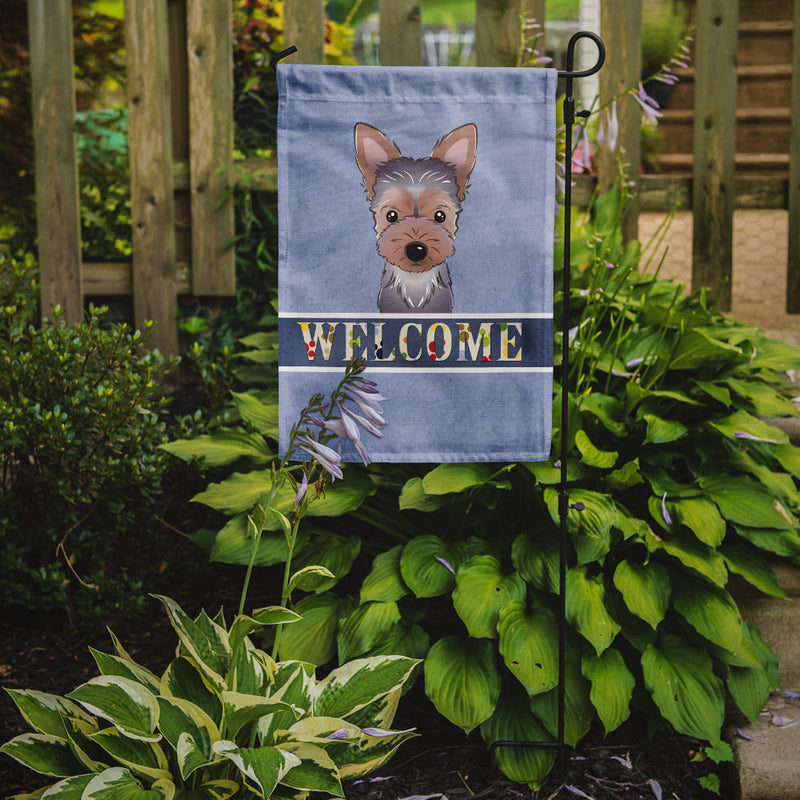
608	131
365	423
742	735
328	459
380	732
342	733
792	695
624	761
648	105
446	564
371	410
655	786
745	435
577	792
664	512
301	489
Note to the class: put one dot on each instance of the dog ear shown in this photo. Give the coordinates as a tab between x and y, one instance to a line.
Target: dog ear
458	148
373	148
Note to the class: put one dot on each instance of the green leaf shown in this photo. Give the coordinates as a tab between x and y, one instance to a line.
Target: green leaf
749	687
145	759
385	581
696	349
767	401
462	680
44	712
243	625
223	446
241	709
313	638
512	721
719	393
178	717
448	478
691	553
422	567
182	679
399	640
264	766
125	668
334	553
68	789
238	492
44	753
625	477
663	431
774	355
608	410
365	627
742	422
117	783
481	591
709	609
646	589
414	497
261	416
586	608
316	772
746	561
683	685
782	543
537	560
529	645
701	517
743	501
212	790
789	457
612	687
126	704
590	454
234	545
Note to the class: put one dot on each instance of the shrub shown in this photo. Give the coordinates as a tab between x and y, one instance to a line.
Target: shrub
79	430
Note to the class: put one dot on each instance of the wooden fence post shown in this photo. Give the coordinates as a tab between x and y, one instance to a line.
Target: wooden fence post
621	28
714	189
498	29
304	27
56	162
152	201
210	54
793	266
401	33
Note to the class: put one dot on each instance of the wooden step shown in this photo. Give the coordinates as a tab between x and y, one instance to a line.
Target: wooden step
767	165
765	42
754	10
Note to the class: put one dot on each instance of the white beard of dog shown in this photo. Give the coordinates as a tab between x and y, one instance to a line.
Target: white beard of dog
429	291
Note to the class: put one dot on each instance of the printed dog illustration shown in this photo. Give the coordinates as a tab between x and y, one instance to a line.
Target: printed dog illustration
416	203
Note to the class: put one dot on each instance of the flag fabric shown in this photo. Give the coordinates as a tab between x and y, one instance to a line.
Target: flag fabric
416	229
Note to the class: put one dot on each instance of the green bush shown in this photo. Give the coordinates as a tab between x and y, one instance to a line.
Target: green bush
79	430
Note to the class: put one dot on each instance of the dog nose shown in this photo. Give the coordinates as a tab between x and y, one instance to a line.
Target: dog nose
416	251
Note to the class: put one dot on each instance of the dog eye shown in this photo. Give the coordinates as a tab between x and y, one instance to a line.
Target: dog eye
440	216
391	216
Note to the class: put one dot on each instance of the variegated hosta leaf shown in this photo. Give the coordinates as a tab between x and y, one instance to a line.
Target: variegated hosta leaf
125	668
252	670
481	591
146	759
462	680
646	589
262	766
385	581
294	685
710	610
244	625
529	645
242	709
78	733
179	718
126	704
373	753
117	783
586	608
183	679
683	685
45	712
44	753
358	683
212	790
68	789
513	721
316	771
367	626
612	686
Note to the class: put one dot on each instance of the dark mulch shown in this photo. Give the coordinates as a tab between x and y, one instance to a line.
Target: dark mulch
44	654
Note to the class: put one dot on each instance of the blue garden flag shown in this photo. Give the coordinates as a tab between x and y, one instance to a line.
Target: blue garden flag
416	230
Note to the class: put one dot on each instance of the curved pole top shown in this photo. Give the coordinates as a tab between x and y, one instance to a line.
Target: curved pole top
570	72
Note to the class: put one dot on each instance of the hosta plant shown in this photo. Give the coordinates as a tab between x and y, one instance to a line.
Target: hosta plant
223	721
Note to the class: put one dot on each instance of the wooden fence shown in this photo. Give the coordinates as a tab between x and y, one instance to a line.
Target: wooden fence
181	141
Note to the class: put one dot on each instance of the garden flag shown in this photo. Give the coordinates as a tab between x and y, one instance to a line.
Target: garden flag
416	230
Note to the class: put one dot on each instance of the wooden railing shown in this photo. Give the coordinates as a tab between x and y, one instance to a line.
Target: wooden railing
181	134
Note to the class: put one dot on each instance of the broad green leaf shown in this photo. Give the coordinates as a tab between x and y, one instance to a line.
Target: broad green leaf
399	640
591	455
428	565
696	349
364	628
597	517
529	645
612	687
334	553
448	478
44	753
223	446
782	543
462	680
238	492
683	685
547	473
537	561
414	497
294	684
264	766
767	401
709	609
316	772
313	638
67	789
701	517
261	416
117	783
241	709
481	591
779	484
145	759
663	431
312	577
125	668
178	716
385	582
212	790
356	684
646	589
740	422
126	704
749	688
788	456
78	732
691	553
234	545
252	670
183	680
586	608
774	355
608	410
512	721
243	625
625	477
718	392
578	710
746	561
745	502
44	712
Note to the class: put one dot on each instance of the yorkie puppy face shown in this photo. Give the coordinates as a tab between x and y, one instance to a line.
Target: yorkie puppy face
415	202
